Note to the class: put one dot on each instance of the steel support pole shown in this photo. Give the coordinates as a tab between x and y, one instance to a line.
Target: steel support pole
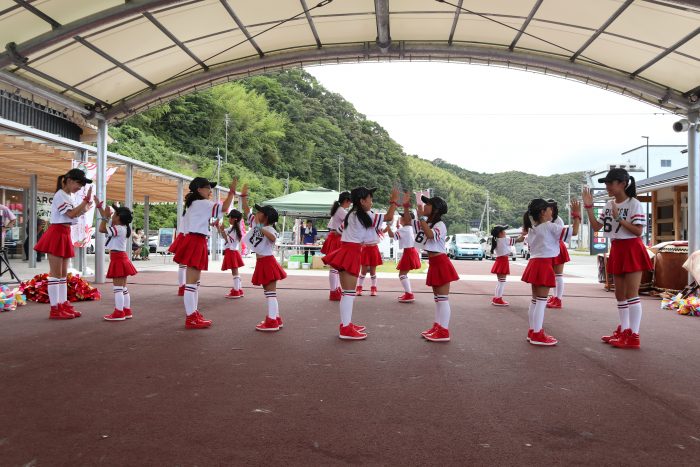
180	203
129	197
214	231
693	182
146	217
101	192
31	256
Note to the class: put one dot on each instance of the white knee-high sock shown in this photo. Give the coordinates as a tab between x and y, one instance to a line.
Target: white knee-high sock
181	275
127	298
190	298
559	291
531	313
444	311
53	290
437	309
272	305
196	297
500	287
119	297
346	302
540	305
374	280
236	282
623	310
333	279
361	279
62	290
635	305
406	283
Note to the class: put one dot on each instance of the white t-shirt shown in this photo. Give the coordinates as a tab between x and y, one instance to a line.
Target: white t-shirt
406	237
337	219
355	232
183	225
437	244
503	246
199	215
630	210
60	206
232	241
256	240
6	214
544	239
116	237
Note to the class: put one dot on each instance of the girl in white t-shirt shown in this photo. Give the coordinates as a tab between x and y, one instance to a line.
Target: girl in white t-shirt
623	220
56	241
233	237
543	237
261	239
115	224
332	243
182	268
410	258
193	250
559	261
500	247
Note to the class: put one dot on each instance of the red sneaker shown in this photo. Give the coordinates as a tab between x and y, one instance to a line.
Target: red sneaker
439	335
554	303
431	330
407	298
359	328
541	338
193	322
529	334
358	291
335	295
127	313
279	322
349	332
240	292
498	301
269	325
233	294
615	335
117	315
373	291
201	319
68	307
59	313
627	340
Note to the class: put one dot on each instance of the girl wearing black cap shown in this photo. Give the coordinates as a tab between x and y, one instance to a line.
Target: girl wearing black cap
332	243
232	256
115	225
359	227
56	241
431	233
623	220
543	237
261	239
193	251
500	247
410	258
555	300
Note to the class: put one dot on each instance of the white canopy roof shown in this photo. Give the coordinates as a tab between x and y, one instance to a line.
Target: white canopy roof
117	58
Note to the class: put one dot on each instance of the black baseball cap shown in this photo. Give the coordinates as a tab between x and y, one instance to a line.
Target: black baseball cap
77	175
269	211
200	182
497	229
619	175
361	192
438	203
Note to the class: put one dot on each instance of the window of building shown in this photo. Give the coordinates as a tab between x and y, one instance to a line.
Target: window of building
665	162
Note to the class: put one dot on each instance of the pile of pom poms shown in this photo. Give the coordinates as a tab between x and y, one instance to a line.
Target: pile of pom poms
36	289
689	305
11	298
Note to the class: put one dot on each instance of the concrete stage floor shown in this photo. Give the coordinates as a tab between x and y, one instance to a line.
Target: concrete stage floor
149	392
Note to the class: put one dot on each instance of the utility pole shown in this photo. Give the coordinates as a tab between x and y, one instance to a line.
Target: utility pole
218	167
226	120
488	213
568	202
340	159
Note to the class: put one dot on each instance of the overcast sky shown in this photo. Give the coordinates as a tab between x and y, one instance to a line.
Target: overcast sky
492	119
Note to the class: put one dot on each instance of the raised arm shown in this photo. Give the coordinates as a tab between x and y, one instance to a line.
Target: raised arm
231	195
105	214
80	209
575	214
406	208
587	197
244	199
393	202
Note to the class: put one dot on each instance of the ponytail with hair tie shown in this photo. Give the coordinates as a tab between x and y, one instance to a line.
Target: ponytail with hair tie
631	188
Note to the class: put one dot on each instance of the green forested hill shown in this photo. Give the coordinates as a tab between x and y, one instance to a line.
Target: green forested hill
288	124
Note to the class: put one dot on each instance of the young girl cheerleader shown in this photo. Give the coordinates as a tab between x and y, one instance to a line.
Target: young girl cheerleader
232	255
332	243
371	257
543	236
410	258
623	221
500	246
431	233
359	226
193	250
261	239
115	225
182	268
563	258
56	241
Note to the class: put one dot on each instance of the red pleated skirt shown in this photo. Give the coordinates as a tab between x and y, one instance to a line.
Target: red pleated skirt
232	260
267	270
440	271
501	265
173	246
346	258
56	241
540	272
563	254
409	261
120	265
371	255
628	255
332	243
193	252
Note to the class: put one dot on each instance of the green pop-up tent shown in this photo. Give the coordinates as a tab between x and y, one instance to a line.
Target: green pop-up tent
315	202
